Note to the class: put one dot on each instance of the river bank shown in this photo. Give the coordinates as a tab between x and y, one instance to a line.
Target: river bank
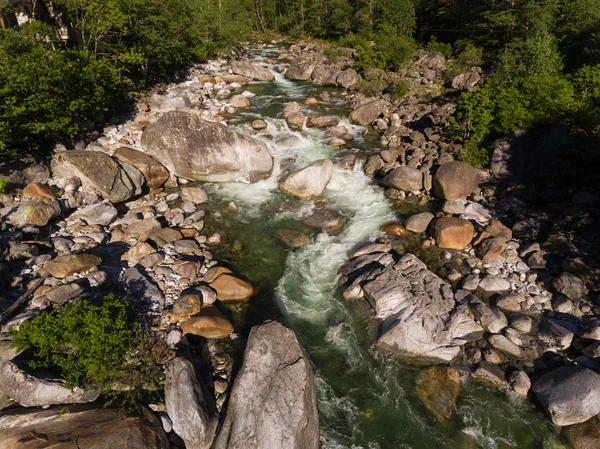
176	247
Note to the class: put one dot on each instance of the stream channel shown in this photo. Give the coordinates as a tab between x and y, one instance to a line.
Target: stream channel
365	398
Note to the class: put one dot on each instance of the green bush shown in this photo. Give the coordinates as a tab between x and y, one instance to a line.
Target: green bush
468	55
387	51
4	182
470	125
91	346
46	94
433	46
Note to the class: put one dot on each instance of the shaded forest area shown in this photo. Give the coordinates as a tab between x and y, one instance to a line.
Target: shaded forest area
64	63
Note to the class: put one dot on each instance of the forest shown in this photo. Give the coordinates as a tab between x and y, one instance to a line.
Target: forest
64	64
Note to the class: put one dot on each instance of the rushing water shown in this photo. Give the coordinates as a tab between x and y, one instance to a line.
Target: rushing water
365	399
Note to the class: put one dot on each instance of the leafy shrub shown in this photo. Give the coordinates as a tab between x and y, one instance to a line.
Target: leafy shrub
388	50
398	89
91	346
45	94
468	55
470	125
433	46
4	182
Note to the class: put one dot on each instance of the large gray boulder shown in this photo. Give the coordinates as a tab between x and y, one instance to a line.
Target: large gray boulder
300	71
253	71
570	394
455	180
197	150
309	181
31	391
347	78
405	178
115	181
82	426
273	403
190	405
420	318
368	112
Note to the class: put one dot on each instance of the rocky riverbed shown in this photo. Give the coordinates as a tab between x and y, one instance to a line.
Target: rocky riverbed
274	188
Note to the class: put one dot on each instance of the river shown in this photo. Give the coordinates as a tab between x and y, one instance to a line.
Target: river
365	398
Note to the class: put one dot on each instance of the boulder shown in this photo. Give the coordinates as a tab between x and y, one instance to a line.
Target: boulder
452	232
490	376
295	121
368	112
466	81
138	284
208	323
81	426
38	173
190	405
519	382
292	239
324	75
36	190
185	306
31	391
322	121
36	212
138	252
239	101
162	103
455	180
197	150
570	394
196	195
96	214
438	388
347	78
418	312
569	285
395	230
290	109
114	181
64	266
405	178
419	222
491	319
273	402
61	293
325	220
299	71
309	181
503	344
583	436
231	289
154	172
259	125
253	71
494	284
230	79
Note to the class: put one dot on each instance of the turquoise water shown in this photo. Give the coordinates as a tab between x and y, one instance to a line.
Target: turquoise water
365	398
